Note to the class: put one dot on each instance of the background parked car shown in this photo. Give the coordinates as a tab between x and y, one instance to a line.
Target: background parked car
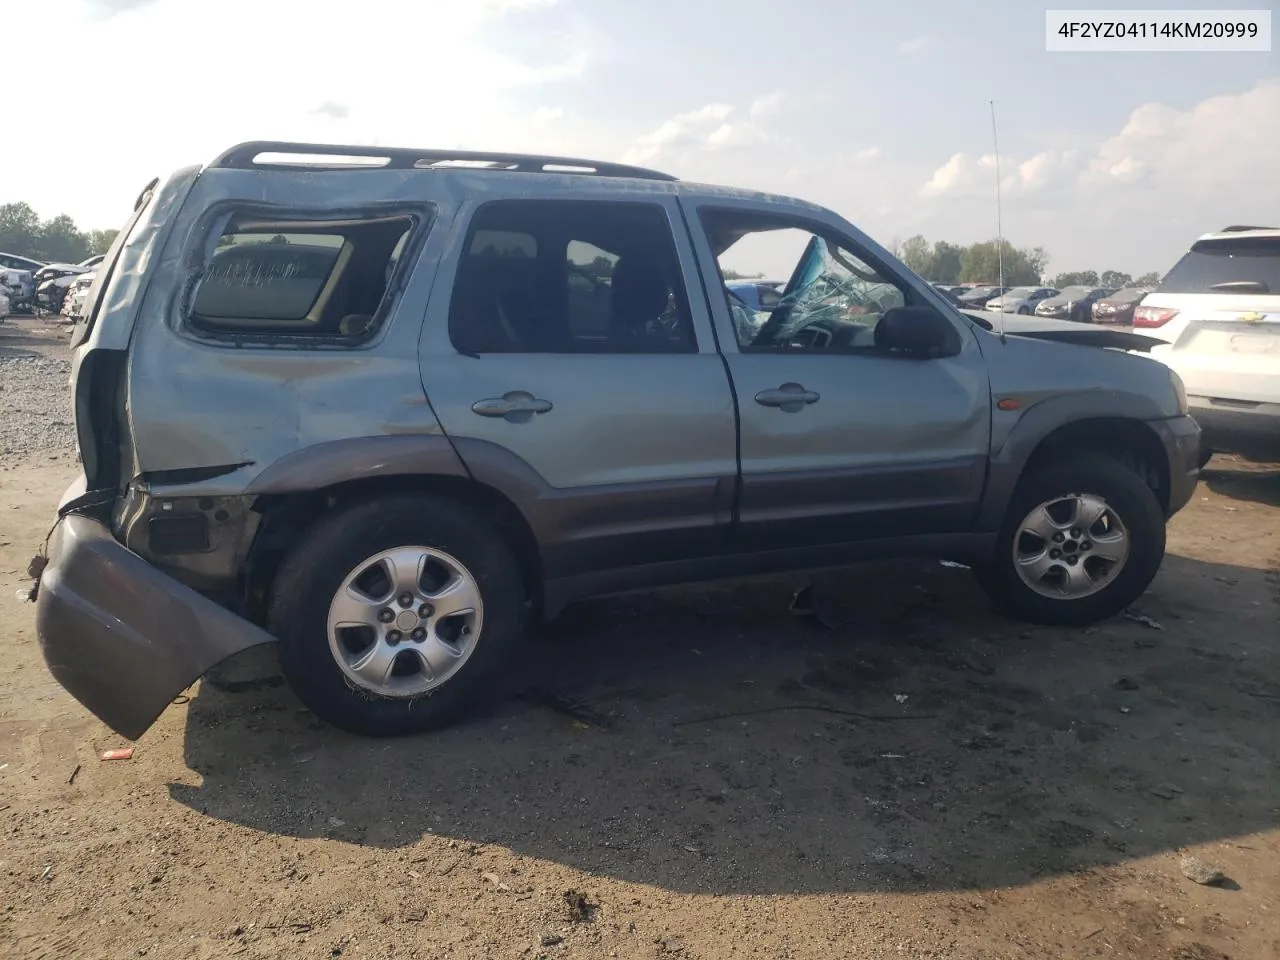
1219	309
51	271
1072	303
4	306
51	294
77	293
1119	307
14	262
977	297
20	287
1020	299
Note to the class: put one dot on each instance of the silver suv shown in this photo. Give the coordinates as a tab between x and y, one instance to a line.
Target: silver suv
383	406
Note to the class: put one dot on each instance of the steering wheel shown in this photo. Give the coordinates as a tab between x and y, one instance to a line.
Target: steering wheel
769	330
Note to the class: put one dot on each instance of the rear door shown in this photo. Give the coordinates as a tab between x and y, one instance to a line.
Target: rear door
1220	309
570	358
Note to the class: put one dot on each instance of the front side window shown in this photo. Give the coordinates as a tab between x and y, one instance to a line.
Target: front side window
833	298
553	276
298	278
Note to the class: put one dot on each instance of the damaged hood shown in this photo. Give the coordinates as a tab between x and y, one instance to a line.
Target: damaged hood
1064	331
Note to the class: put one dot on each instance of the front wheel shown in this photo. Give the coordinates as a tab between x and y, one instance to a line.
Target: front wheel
1024	311
396	615
1082	540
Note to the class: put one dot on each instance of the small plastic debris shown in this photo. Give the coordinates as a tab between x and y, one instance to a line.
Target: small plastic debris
337	822
893	756
900	697
1143	619
955	566
72	779
123	753
47	872
1124	710
493	878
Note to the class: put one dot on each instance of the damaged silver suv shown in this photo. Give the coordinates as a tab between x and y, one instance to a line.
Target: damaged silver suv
383	406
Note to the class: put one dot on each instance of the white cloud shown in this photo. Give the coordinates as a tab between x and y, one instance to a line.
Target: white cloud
867	154
710	127
916	45
332	75
954	175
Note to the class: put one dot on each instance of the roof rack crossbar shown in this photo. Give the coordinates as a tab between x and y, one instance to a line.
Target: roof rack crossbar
1240	228
244	156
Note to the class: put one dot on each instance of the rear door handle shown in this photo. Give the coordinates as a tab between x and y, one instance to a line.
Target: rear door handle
789	398
514	406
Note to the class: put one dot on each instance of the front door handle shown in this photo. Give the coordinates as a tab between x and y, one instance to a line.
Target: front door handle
514	406
789	398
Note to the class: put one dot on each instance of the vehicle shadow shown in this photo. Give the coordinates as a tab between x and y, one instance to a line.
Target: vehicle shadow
1256	482
904	738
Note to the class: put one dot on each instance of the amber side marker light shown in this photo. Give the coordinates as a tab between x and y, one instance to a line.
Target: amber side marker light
1009	404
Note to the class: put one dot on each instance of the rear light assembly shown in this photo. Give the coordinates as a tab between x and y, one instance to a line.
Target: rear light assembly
1153	316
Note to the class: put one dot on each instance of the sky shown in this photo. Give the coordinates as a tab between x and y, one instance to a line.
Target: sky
879	111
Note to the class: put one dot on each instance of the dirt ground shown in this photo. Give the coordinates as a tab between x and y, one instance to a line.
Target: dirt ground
694	774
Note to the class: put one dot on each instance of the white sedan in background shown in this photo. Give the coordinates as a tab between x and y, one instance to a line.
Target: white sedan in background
1020	300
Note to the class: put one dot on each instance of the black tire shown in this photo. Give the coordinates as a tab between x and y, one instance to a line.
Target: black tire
315	569
1138	510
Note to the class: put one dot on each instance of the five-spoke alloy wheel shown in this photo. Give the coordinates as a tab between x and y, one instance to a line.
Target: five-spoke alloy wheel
396	615
1082	539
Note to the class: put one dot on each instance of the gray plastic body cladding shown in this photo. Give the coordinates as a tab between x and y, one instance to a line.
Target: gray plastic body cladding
122	637
1183	443
608	526
1045	380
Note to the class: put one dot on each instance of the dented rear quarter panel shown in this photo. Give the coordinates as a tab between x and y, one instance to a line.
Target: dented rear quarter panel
196	402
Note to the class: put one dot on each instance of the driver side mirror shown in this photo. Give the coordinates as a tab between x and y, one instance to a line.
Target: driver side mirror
918	332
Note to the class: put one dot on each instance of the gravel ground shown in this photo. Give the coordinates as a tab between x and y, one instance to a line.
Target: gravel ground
35	406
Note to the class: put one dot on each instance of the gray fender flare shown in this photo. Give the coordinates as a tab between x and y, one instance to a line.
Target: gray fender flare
1018	442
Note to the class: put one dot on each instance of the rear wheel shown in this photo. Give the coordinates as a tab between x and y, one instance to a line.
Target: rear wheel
1082	540
395	616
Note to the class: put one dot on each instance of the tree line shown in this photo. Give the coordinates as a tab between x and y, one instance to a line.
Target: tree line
943	262
57	240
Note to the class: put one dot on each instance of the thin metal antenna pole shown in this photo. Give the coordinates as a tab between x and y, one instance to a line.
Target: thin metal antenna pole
995	139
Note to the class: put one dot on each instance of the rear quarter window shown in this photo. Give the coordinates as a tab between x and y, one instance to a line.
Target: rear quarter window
289	279
1210	264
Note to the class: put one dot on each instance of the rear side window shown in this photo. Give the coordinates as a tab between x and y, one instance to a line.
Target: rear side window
552	276
312	279
1249	265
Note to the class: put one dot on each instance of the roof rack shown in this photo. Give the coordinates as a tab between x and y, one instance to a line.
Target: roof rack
1240	229
246	156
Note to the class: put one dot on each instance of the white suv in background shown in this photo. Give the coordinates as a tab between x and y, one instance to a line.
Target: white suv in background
1219	311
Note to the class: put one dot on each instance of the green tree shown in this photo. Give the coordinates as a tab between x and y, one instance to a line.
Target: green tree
980	263
917	255
100	240
1115	279
1151	279
946	262
19	229
61	241
1078	278
735	275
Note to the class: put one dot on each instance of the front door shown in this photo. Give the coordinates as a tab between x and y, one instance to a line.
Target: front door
841	439
576	376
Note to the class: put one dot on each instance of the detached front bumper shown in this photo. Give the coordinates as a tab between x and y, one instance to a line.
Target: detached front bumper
1181	439
122	637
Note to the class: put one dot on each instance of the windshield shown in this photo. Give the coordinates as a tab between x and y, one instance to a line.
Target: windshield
1017	292
1075	293
1128	294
